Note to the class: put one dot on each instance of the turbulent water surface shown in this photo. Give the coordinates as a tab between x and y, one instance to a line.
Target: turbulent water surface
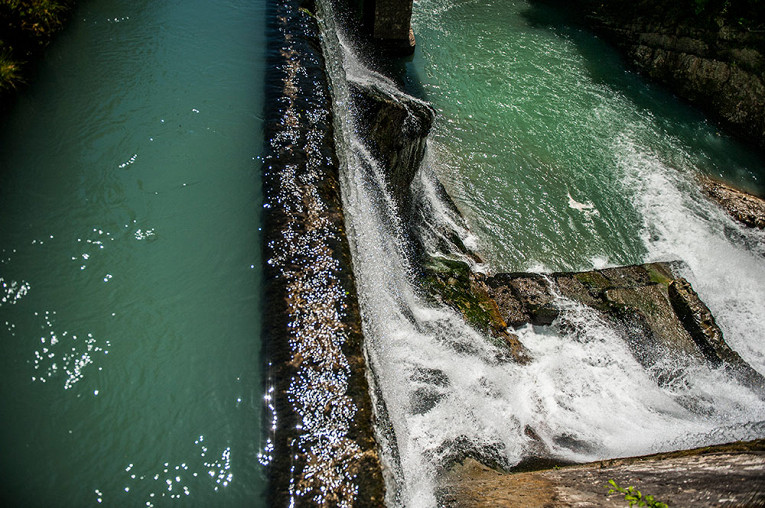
560	159
129	214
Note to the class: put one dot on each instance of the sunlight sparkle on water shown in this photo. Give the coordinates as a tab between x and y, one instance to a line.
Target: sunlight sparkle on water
74	356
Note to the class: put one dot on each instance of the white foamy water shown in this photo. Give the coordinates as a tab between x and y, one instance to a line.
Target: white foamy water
447	392
726	260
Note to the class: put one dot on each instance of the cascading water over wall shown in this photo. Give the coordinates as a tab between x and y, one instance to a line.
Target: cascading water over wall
445	390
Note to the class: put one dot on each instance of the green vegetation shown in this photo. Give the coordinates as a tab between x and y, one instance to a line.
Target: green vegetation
26	28
634	496
10	74
448	281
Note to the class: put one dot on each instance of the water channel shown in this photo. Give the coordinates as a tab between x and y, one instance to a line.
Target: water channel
130	261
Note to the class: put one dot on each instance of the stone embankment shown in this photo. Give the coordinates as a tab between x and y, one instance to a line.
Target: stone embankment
745	208
322	449
711	53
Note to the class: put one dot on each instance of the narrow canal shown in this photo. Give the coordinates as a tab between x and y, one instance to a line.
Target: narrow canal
130	261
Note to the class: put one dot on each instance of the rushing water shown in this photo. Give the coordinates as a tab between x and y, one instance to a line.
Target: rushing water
129	214
560	159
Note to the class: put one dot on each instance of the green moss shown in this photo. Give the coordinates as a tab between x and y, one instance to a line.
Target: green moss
449	282
659	274
306	11
593	280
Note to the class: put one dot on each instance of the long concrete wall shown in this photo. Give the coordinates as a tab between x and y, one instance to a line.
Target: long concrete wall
322	449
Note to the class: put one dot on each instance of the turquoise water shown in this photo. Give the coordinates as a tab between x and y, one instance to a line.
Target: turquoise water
561	158
538	119
129	215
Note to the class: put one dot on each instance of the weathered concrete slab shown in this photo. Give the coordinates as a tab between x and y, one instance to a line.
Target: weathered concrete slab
727	475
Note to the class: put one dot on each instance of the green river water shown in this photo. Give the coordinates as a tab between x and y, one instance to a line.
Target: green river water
561	158
129	216
130	251
541	128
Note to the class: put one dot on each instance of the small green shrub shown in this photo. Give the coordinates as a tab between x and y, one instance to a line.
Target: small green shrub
10	73
634	496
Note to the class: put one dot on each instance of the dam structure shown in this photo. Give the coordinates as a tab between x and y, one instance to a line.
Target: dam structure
264	253
447	383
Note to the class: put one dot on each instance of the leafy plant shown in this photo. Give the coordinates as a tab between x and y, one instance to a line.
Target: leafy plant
10	74
634	496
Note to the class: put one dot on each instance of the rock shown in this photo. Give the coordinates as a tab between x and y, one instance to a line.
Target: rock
656	312
523	297
723	475
700	324
714	59
452	283
745	208
394	127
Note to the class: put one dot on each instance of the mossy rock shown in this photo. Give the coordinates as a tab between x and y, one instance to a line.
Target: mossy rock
452	283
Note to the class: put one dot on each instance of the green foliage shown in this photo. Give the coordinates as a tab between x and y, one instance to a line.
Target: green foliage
39	17
700	5
634	496
26	27
10	74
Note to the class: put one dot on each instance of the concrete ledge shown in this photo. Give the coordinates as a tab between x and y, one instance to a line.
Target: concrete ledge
725	475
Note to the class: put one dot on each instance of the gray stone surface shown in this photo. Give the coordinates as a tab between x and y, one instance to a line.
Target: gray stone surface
727	475
745	208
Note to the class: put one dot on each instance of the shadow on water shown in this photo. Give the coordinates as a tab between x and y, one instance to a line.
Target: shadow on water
715	153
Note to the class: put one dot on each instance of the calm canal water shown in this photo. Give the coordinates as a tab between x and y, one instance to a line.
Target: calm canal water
130	261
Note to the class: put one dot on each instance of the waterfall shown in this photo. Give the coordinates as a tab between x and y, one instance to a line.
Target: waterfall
443	390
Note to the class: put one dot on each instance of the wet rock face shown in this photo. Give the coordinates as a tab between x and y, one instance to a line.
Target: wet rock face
522	298
394	128
715	60
452	283
322	449
745	208
656	312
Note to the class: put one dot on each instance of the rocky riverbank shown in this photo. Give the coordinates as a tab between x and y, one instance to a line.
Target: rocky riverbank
707	52
745	208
